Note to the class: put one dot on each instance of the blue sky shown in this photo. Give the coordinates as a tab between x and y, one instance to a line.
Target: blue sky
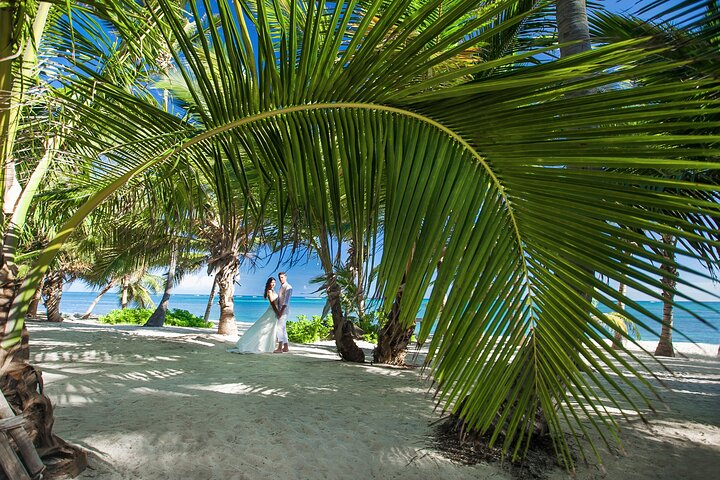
252	280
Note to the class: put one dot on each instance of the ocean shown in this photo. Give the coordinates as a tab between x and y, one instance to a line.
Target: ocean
249	308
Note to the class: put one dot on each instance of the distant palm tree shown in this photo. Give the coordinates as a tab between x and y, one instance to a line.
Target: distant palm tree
695	35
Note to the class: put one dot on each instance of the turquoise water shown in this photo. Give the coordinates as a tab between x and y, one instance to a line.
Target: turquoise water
248	309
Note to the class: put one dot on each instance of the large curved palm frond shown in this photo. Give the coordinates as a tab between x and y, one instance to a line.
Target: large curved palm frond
503	174
549	145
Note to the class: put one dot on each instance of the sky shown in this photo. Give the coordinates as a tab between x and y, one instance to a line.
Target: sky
251	281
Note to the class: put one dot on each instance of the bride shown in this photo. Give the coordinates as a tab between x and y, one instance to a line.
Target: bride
260	337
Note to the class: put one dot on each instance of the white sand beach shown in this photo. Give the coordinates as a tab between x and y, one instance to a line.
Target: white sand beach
171	403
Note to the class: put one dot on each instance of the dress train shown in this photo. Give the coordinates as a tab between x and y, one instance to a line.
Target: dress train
260	337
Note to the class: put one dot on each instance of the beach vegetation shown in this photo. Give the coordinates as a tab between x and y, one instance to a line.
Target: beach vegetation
370	324
303	330
621	326
139	316
361	316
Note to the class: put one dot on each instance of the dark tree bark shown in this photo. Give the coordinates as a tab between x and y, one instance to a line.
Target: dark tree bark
34	303
618	339
22	386
393	338
665	345
225	280
157	319
208	308
52	293
8	289
343	329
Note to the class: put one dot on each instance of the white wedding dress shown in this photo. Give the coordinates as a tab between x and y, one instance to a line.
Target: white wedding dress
261	336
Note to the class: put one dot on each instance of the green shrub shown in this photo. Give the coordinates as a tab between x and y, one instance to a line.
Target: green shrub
133	316
182	318
309	331
370	324
138	316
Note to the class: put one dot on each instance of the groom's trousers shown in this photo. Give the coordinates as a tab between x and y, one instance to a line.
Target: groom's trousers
282	336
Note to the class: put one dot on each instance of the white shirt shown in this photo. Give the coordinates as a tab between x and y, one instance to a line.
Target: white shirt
284	297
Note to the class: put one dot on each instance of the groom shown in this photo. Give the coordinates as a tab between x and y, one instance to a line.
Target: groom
283	312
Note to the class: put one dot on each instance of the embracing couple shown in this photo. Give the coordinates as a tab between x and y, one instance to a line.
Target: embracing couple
270	329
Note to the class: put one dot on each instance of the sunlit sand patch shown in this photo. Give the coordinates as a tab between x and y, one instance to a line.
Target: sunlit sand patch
690	392
155	391
146	376
322	389
239	389
383	371
89	356
413	390
198	342
159	358
49	377
82	370
49	343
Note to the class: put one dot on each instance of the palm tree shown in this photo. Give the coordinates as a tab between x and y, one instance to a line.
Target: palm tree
693	37
497	176
25	98
665	346
68	268
105	289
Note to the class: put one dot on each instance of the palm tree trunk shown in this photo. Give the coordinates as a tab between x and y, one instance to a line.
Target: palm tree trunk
8	289
210	300
572	22
355	264
22	386
157	319
124	284
94	303
342	328
34	303
393	338
225	280
618	339
665	346
52	293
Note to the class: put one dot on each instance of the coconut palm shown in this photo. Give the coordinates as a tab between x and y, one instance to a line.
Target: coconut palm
493	175
697	36
28	30
227	227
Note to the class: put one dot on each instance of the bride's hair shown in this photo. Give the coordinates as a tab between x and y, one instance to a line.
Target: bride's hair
267	286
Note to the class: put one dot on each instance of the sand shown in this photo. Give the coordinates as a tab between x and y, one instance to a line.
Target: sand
171	403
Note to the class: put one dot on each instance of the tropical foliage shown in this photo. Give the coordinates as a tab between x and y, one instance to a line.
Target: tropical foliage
534	181
303	330
138	316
